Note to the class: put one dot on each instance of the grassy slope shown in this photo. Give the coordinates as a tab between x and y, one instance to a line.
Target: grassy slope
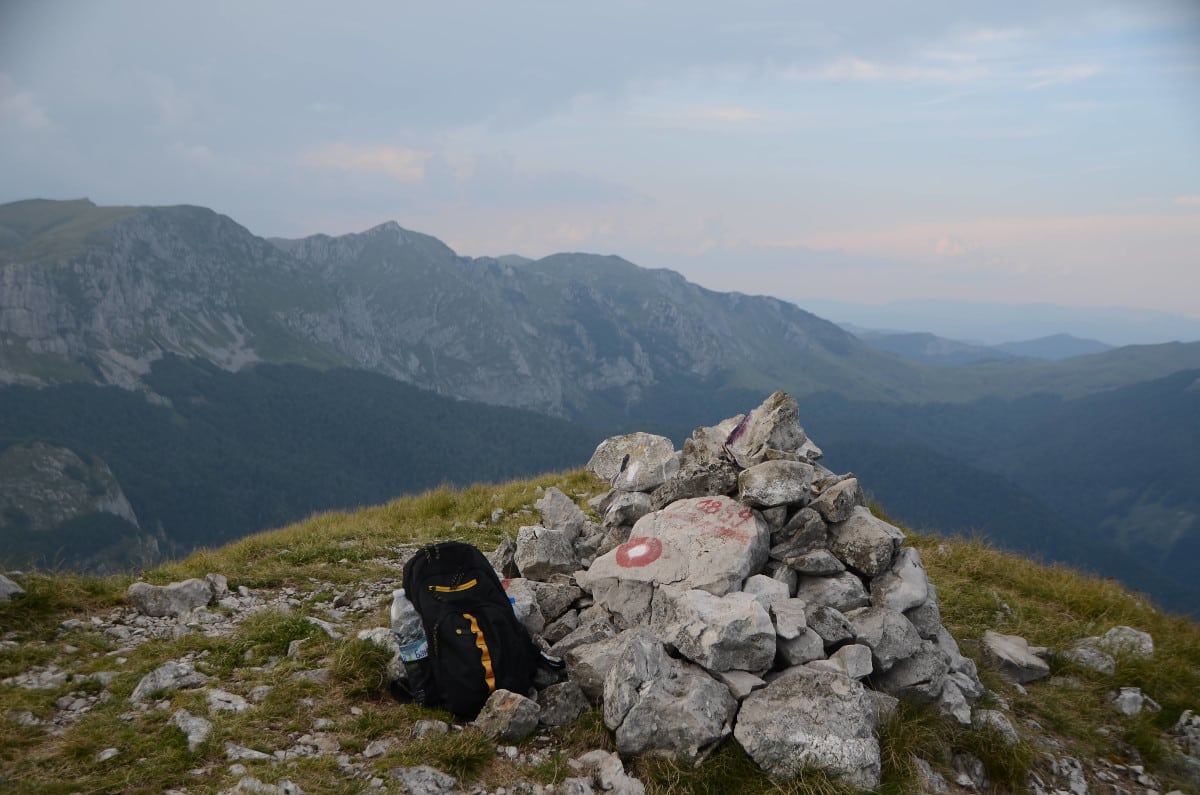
979	588
40	229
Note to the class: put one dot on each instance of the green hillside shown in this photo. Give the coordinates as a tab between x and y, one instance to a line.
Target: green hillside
235	453
41	229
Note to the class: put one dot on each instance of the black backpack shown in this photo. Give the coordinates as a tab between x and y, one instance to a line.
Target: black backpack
476	643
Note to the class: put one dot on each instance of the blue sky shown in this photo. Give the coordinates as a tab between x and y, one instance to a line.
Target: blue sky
867	152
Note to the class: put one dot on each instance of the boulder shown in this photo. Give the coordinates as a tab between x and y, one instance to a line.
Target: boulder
836	503
904	586
807	718
719	478
1013	657
559	512
833	627
842	592
542	553
1129	701
503	558
778	570
555	598
865	543
1086	654
927	616
607	772
916	677
952	702
1127	641
766	590
890	636
804	532
817	563
626	508
720	633
424	780
525	604
740	683
176	599
194	727
655	703
774	483
588	664
9	590
168	677
805	647
508	716
775	517
561	628
710	544
224	701
853	660
616	455
770	431
996	722
790	618
561	703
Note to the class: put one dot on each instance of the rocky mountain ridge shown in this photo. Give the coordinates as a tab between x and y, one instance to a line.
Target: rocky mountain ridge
560	335
98	294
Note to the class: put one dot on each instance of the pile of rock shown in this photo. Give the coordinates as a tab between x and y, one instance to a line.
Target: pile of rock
737	587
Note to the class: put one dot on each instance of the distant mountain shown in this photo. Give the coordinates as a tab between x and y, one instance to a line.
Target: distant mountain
570	335
96	295
930	349
1054	347
942	352
995	324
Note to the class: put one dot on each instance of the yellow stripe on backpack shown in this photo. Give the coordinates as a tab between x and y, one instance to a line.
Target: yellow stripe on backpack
466	586
489	675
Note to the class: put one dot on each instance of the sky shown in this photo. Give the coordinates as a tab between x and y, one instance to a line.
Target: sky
1018	151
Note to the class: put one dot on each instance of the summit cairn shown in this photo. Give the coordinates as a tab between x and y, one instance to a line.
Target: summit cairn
737	587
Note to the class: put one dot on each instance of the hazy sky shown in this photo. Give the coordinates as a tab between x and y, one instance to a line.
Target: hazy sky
1005	151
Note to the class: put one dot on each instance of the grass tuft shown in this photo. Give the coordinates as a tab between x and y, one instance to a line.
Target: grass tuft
360	667
462	754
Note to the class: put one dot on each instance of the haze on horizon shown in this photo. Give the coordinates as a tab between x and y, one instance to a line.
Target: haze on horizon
1008	152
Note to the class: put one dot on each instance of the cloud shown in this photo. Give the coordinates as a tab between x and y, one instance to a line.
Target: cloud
1063	74
21	109
991	35
1188	201
731	115
399	163
963	69
950	246
198	153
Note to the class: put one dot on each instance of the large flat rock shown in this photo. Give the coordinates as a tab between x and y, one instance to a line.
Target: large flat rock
710	544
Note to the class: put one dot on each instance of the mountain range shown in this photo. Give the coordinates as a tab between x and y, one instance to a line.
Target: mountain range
229	382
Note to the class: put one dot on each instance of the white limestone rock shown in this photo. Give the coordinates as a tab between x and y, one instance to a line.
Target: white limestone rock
774	483
1014	659
654	703
711	544
807	718
720	633
865	543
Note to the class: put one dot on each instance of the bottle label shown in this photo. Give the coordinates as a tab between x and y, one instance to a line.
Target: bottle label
417	650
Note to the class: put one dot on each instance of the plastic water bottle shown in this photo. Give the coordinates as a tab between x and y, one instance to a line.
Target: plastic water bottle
410	634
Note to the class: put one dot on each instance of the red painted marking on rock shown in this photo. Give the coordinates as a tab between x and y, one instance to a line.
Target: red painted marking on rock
638	552
729	532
